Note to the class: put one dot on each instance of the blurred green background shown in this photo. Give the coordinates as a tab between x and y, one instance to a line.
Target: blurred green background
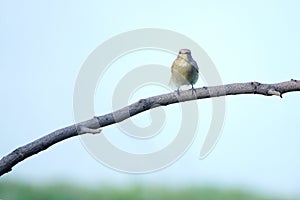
22	191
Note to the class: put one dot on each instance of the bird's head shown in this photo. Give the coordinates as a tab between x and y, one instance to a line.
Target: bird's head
184	54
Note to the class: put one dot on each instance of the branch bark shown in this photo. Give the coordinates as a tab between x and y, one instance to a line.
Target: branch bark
93	125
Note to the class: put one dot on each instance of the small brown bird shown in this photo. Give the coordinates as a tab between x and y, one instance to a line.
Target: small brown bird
184	70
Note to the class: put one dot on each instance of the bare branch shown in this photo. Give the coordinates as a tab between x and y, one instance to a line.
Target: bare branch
93	125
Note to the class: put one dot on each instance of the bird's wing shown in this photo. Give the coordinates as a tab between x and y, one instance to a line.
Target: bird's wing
194	64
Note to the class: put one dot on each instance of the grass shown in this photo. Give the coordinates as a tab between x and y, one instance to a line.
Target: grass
21	191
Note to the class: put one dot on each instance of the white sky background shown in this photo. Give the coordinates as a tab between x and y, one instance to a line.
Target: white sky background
43	45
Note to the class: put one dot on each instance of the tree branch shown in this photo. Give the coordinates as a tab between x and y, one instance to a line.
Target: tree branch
93	125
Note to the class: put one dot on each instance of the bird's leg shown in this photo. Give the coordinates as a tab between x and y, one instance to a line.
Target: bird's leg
178	91
193	89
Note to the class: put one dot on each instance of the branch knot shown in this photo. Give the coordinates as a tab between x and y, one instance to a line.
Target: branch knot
255	85
273	91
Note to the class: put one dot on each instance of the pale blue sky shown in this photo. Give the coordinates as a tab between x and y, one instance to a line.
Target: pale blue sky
43	45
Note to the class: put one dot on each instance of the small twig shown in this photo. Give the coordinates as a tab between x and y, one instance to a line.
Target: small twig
93	125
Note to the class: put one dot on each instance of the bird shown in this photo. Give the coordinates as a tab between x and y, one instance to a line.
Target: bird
184	70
